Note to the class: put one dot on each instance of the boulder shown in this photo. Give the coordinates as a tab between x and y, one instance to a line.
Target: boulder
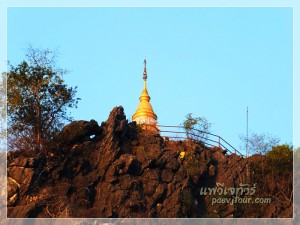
167	175
77	132
13	191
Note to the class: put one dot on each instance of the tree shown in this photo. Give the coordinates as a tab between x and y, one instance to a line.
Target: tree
280	160
196	127
279	163
259	143
3	113
37	101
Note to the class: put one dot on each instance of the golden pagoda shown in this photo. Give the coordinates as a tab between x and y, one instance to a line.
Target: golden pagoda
144	114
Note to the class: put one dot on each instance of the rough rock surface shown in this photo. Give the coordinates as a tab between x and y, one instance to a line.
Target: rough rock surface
113	170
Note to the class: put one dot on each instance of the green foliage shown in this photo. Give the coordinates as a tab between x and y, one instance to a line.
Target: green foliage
273	172
275	180
37	101
280	160
196	127
192	165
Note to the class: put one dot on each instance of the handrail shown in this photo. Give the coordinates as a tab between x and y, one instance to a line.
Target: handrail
177	132
219	142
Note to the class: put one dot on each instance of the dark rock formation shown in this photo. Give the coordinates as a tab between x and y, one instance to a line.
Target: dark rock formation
113	170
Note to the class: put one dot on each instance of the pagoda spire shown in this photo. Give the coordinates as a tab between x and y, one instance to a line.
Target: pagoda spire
145	70
144	113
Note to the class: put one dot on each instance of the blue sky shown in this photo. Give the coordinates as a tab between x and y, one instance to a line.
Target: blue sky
212	62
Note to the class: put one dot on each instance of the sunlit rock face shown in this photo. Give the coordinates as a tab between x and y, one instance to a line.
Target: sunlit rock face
119	170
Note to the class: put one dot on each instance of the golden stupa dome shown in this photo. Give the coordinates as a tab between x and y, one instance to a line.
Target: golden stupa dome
144	113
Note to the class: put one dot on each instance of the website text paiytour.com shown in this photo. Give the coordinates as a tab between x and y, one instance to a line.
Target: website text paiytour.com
238	200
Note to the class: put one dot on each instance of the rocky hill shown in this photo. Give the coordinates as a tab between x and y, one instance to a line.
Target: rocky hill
117	170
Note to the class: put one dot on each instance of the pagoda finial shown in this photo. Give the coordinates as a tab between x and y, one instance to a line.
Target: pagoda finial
145	70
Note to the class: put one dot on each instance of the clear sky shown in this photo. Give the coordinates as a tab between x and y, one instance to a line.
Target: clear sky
212	62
